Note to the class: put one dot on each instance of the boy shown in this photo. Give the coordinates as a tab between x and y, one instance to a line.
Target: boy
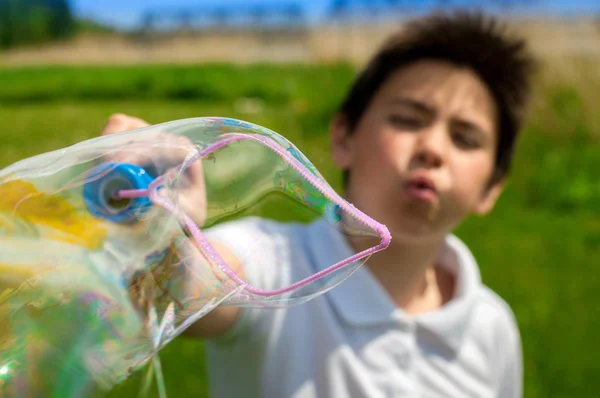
425	137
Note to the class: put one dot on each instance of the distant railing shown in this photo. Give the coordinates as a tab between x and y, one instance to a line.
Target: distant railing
352	10
281	15
290	16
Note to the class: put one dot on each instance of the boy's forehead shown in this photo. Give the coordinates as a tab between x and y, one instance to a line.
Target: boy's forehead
440	85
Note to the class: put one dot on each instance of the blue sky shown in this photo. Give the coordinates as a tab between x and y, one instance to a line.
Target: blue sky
127	13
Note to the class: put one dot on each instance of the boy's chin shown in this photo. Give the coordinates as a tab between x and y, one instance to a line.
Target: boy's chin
415	234
418	227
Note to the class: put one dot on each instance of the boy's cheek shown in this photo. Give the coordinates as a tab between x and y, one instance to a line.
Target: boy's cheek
464	200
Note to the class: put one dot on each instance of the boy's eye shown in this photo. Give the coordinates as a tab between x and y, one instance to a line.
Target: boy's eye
465	140
407	121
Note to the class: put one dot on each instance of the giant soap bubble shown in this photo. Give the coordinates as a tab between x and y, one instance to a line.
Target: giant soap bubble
106	255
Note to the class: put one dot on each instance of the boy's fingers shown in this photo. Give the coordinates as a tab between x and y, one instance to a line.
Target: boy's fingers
160	153
120	122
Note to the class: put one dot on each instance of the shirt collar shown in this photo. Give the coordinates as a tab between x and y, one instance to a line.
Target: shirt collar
451	322
361	301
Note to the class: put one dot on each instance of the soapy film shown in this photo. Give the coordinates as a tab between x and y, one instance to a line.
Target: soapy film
98	272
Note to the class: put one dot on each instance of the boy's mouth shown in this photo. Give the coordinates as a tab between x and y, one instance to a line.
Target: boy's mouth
421	188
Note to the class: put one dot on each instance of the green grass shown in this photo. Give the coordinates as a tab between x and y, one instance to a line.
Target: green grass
539	249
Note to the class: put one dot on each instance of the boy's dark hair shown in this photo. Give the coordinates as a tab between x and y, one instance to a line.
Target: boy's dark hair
465	39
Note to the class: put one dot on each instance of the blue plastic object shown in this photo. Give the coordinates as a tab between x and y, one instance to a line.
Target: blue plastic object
109	178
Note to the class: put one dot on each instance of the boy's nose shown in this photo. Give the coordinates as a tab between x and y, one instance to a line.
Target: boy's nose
429	148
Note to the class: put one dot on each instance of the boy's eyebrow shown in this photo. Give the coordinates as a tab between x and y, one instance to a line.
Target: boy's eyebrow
417	105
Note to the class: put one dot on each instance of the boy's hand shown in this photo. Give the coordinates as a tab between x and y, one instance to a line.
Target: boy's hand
193	200
192	193
120	122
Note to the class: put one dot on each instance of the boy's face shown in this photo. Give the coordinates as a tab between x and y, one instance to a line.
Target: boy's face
421	157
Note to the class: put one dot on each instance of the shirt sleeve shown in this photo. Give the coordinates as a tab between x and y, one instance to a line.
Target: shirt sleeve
506	354
511	380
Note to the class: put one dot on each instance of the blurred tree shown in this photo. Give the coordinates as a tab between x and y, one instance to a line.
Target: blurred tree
34	21
62	24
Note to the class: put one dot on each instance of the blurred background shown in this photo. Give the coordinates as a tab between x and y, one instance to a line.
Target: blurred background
66	65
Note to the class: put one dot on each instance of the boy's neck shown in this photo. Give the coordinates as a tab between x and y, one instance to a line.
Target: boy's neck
410	275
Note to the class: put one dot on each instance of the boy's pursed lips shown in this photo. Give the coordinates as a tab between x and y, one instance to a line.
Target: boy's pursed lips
421	187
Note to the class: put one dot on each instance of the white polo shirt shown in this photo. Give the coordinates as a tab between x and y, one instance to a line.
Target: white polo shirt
353	341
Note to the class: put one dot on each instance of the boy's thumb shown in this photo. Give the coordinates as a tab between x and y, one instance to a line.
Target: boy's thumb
119	122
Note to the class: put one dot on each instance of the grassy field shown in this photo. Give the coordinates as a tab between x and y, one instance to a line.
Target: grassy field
539	249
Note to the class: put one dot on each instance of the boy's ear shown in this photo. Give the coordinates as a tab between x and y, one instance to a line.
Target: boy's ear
489	197
341	148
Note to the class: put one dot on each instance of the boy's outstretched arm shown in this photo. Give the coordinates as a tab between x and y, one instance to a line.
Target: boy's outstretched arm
220	320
